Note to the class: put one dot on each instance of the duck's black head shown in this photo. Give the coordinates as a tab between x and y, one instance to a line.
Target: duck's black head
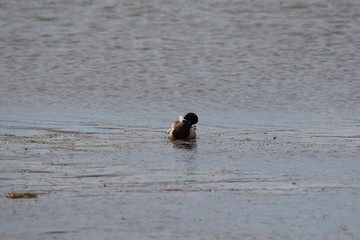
192	118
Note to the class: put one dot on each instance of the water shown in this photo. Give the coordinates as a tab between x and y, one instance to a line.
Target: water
88	89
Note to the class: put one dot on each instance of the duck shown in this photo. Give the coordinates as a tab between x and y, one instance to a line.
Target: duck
184	128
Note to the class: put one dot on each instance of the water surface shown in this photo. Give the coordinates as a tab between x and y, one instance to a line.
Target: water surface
88	89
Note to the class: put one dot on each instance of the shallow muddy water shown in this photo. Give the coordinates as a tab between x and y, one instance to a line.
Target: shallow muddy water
88	89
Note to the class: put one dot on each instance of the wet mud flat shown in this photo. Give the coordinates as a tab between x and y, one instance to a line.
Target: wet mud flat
99	180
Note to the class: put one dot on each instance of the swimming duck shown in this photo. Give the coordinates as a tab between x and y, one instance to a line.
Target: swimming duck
184	127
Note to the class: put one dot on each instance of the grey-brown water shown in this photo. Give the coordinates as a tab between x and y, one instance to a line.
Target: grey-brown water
88	89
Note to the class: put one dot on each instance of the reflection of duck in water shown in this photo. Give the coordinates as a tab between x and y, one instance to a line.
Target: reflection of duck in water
184	128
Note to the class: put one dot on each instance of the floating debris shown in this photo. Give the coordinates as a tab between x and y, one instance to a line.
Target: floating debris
21	195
